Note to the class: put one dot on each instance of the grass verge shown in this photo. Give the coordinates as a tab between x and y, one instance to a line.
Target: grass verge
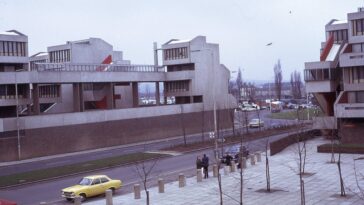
37	175
292	114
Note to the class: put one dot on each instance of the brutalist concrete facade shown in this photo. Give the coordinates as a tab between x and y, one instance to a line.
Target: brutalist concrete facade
83	95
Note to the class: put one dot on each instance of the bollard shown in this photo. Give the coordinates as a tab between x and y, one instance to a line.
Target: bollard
136	191
160	185
233	166
214	170
199	175
243	163
181	180
259	156
252	159
78	200
226	169
108	194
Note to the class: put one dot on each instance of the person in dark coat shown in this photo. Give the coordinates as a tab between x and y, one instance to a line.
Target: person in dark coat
205	164
198	163
228	159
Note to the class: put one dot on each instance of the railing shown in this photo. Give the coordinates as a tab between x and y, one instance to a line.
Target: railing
54	67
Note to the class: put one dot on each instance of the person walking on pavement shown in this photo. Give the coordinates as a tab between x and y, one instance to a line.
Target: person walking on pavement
205	164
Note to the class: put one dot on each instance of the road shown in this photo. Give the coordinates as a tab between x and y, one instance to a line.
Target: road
167	168
127	149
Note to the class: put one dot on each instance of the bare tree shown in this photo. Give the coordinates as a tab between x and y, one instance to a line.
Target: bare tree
278	77
267	170
239	83
296	84
144	171
342	187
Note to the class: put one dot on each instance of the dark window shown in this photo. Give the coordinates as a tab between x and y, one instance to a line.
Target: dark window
96	181
103	180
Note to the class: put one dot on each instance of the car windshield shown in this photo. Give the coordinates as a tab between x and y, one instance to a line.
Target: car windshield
85	181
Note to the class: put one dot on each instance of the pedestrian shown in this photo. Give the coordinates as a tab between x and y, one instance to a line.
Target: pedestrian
198	163
205	164
228	159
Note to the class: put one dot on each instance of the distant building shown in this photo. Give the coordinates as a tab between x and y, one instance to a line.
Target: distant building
337	80
83	95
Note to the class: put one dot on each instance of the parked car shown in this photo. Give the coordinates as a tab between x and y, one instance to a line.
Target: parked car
254	123
91	186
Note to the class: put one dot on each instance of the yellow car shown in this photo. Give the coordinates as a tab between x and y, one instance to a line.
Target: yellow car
91	186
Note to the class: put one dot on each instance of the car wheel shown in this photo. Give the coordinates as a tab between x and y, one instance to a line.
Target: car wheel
69	199
113	190
83	197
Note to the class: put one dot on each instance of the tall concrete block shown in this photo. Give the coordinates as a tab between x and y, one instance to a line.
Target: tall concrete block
226	169
243	163
135	92
108	196
77	201
233	166
215	170
199	175
160	185
252	159
157	94
35	95
259	156
136	191
181	180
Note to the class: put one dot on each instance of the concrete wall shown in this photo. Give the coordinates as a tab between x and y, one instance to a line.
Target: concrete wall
71	138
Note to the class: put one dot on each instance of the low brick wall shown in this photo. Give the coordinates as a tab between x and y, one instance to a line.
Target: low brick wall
281	144
64	139
326	148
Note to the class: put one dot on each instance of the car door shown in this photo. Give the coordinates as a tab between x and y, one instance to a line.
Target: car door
96	187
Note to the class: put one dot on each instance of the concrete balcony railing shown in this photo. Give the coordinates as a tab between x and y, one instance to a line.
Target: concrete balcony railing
56	67
349	110
321	86
351	59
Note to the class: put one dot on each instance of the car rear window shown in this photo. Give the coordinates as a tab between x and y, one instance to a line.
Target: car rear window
103	180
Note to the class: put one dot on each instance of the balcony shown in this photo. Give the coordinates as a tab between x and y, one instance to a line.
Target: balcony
345	109
352	59
321	79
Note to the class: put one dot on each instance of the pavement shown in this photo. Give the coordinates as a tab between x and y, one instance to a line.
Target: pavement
321	183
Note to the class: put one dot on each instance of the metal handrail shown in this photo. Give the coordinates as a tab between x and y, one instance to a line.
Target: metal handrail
41	67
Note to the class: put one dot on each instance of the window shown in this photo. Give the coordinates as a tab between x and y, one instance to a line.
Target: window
60	56
96	181
177	86
10	48
104	180
356	75
321	74
175	53
358	27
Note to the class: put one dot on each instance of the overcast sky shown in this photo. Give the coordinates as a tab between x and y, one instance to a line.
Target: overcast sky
241	27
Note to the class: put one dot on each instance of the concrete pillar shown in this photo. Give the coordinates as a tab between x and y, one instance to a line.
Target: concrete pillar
243	163
77	201
35	95
136	191
181	180
259	156
160	185
78	103
157	94
135	92
226	169
165	100
109	95
108	196
233	166
199	175
214	170
252	159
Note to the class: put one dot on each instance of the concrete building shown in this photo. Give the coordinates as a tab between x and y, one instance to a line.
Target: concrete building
84	95
337	80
